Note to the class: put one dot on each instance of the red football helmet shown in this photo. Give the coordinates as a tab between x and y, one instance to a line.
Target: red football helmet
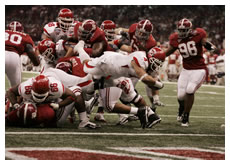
108	27
15	26
156	57
40	88
65	18
65	66
47	49
86	30
144	30
184	28
27	114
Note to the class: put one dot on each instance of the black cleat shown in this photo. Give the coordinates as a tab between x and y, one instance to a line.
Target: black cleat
153	119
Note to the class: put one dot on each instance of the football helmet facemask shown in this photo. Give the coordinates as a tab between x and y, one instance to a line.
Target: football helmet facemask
184	28
109	27
144	30
156	57
40	88
47	48
86	30
65	19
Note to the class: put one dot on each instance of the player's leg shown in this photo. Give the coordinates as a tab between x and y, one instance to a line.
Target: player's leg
181	92
13	67
197	77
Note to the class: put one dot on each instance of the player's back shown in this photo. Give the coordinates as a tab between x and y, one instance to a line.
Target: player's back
16	41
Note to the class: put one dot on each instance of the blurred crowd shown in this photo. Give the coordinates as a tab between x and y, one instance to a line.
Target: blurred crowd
163	17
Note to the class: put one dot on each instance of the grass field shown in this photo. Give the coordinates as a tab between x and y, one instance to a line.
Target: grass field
203	139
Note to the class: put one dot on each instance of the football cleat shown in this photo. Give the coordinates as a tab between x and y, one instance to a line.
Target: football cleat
87	124
142	115
92	102
99	117
184	122
153	119
123	119
158	103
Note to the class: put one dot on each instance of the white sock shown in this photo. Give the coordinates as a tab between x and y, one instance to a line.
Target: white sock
133	110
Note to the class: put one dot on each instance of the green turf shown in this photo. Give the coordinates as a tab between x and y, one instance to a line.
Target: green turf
207	116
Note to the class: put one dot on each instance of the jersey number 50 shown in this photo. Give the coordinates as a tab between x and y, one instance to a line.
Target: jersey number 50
188	49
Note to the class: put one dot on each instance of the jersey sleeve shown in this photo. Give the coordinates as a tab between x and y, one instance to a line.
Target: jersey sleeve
140	59
28	40
49	29
24	89
173	40
202	33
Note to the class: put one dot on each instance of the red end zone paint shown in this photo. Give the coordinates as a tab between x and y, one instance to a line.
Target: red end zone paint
72	155
191	153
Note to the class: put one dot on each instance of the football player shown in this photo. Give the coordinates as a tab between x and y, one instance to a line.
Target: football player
109	27
16	43
48	90
112	69
190	43
141	39
59	30
93	36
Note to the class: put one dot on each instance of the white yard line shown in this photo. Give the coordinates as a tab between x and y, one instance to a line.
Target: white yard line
110	134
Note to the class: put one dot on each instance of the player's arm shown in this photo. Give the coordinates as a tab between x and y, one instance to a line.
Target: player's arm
67	97
119	30
145	78
79	48
208	45
170	50
98	48
12	95
32	55
69	49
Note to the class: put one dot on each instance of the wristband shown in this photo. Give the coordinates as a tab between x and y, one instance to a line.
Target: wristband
143	76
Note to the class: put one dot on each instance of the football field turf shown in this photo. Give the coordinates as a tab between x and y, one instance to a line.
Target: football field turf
203	139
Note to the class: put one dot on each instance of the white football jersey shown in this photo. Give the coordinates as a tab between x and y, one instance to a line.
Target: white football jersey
56	90
115	65
52	31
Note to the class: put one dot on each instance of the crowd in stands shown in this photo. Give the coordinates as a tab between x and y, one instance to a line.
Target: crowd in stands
164	17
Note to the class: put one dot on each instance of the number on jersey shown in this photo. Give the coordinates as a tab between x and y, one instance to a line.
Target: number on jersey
188	49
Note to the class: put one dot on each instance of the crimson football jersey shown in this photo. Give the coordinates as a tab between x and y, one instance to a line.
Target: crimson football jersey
77	66
16	41
136	45
190	48
97	36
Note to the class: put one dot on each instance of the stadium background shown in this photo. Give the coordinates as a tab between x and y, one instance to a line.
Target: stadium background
163	17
